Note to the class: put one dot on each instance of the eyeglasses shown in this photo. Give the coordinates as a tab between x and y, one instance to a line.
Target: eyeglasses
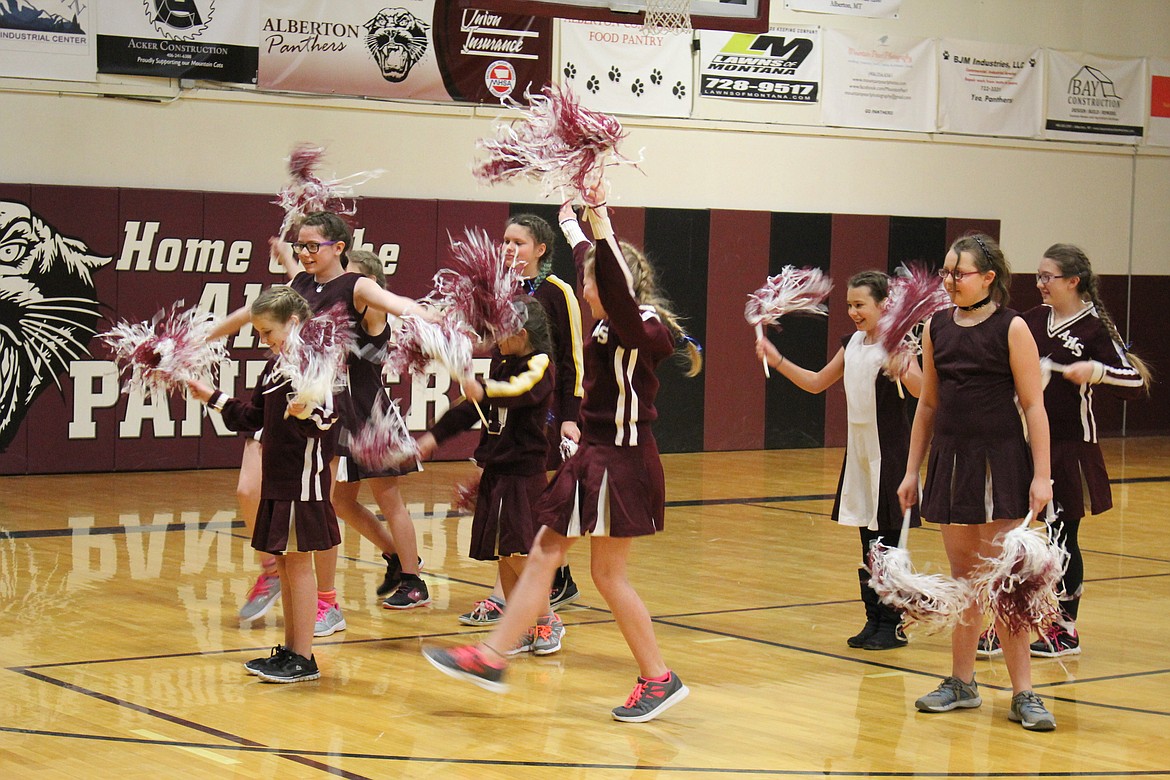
312	247
1046	278
956	274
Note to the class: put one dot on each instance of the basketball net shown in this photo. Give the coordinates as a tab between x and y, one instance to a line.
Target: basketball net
667	17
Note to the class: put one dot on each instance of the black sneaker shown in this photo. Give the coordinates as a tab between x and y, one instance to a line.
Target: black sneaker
257	665
393	573
291	668
410	593
564	590
650	699
467	663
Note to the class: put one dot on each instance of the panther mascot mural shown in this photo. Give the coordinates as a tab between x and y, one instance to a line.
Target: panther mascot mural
48	309
398	40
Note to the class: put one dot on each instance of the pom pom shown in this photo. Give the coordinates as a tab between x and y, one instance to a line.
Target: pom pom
557	142
932	602
466	495
308	193
479	287
915	295
1019	586
384	441
314	354
792	291
167	352
419	343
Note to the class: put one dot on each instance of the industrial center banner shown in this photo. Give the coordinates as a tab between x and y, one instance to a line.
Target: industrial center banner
990	89
47	39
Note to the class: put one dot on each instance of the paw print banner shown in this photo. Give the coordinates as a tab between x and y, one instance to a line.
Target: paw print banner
619	69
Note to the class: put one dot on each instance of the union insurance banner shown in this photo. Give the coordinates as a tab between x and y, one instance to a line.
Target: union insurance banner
1095	99
990	89
620	69
194	39
883	82
417	49
47	39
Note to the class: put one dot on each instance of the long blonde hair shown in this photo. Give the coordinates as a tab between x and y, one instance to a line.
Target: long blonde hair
646	292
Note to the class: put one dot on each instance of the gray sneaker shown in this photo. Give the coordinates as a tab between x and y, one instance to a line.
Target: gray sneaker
547	635
260	598
1029	711
329	619
486	613
950	694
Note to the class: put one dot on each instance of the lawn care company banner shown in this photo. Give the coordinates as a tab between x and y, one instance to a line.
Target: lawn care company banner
215	41
418	49
881	82
990	89
1095	99
782	65
47	39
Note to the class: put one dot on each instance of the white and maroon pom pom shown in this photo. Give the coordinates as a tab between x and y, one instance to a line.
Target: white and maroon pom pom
167	352
1019	586
314	354
419	343
479	287
792	291
932	602
914	297
466	495
308	193
556	142
384	441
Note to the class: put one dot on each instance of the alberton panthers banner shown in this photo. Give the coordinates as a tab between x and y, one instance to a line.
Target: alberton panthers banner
192	39
419	49
620	69
1095	99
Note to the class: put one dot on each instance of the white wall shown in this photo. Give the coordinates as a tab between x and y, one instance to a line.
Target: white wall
216	139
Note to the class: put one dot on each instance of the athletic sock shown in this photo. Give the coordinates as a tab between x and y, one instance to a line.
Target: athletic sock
328	596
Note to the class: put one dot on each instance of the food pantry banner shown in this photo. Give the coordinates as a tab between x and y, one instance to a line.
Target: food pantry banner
990	89
881	9
1095	99
1159	130
881	82
420	49
619	69
215	41
47	39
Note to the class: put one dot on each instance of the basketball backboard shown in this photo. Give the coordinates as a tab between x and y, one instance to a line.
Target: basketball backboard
735	15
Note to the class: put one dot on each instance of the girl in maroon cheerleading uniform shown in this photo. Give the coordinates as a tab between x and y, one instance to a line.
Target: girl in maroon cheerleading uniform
1082	349
295	517
984	476
515	401
613	488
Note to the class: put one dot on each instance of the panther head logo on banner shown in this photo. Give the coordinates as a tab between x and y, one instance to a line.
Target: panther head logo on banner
398	40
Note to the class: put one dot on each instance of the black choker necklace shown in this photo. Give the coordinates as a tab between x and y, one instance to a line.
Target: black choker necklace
976	306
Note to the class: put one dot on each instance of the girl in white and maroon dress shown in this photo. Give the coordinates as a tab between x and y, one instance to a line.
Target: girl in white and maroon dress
613	488
295	517
983	475
1083	350
877	442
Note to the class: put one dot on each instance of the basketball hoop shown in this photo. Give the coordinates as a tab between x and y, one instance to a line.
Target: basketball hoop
664	17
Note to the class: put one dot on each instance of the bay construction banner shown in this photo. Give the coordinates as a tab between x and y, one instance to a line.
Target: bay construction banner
417	49
990	89
1095	99
47	39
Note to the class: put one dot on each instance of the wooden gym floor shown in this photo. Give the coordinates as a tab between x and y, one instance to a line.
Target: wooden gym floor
120	652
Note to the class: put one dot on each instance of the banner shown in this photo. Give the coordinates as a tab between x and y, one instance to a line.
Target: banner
619	69
881	82
878	9
1095	99
990	89
214	41
782	65
47	39
417	49
1159	127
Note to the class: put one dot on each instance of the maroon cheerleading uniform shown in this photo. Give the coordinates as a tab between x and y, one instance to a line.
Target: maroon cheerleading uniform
978	433
614	485
365	390
512	451
1077	464
559	302
295	513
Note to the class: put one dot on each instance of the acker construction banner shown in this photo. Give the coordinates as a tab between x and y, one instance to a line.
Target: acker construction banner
435	50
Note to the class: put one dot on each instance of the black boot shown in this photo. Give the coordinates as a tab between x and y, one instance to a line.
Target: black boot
872	612
393	574
889	634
